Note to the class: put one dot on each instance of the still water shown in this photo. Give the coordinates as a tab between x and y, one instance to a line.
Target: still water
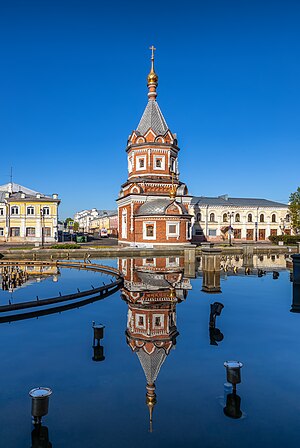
161	382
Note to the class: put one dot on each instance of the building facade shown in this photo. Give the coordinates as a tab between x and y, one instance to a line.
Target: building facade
27	215
108	220
153	203
92	221
240	219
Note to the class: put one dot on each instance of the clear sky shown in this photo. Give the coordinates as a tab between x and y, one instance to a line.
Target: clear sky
73	87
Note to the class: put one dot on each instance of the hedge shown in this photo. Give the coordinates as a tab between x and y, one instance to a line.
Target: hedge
287	239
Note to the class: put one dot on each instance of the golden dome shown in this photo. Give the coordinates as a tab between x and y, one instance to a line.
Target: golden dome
152	78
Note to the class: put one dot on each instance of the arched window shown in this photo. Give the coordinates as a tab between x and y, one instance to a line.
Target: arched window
273	217
250	217
262	218
14	210
287	218
30	210
237	217
225	217
212	217
198	217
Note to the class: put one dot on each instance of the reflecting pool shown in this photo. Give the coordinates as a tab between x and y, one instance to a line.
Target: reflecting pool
155	375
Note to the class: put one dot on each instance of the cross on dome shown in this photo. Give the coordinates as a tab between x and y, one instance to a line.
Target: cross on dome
152	77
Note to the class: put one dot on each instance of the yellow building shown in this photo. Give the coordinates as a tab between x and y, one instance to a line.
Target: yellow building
27	215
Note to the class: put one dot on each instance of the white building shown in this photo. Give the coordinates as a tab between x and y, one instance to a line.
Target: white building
242	219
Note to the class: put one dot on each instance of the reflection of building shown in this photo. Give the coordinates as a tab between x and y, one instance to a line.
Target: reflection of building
249	219
152	289
27	215
211	270
152	203
16	276
296	284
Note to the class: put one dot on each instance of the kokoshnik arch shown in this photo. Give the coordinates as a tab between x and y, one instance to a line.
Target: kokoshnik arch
153	202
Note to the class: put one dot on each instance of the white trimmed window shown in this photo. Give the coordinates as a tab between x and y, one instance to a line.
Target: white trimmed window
172	261
149	261
158	321
124	266
149	230
46	211
1	211
141	163
173	165
14	210
140	321
1	231
188	230
173	229
30	210
159	162
129	164
124	223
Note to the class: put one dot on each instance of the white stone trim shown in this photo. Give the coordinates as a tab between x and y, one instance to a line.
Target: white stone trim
173	235
138	159
163	162
145	237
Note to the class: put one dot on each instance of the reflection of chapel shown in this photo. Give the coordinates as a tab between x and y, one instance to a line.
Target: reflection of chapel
152	289
152	204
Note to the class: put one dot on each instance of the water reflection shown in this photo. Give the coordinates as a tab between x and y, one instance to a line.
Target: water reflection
215	335
233	405
98	349
232	408
40	437
15	276
296	284
152	290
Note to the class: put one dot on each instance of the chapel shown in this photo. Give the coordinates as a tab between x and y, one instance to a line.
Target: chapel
153	202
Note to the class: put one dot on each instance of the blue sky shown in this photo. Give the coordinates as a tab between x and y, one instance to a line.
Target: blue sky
73	87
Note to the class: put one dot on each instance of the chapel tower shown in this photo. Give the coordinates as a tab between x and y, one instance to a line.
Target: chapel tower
152	203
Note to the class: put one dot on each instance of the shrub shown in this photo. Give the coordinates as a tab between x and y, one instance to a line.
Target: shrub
287	239
65	246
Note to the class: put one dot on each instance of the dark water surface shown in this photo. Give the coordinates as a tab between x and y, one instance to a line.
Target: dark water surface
104	403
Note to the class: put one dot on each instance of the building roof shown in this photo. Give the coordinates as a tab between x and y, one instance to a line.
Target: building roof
17	190
157	207
103	213
152	118
226	201
154	280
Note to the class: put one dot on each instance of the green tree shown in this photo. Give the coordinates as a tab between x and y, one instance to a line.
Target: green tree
294	207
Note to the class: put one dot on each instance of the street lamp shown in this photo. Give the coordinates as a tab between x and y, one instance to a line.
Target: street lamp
42	225
230	215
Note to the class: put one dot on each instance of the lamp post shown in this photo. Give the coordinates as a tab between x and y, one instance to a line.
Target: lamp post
42	226
230	216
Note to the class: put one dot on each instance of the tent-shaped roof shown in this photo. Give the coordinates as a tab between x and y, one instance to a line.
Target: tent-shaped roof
152	118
